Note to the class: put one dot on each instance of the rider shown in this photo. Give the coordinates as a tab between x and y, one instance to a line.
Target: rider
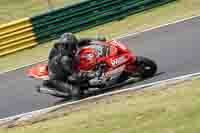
60	63
62	44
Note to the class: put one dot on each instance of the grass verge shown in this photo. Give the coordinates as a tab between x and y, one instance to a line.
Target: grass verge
169	110
138	22
14	9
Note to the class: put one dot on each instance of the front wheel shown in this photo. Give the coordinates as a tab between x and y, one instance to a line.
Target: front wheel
146	67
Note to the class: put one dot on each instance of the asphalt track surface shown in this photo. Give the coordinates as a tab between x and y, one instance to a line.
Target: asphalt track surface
175	48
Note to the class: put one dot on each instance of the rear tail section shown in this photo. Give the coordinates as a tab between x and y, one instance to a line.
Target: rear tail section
38	72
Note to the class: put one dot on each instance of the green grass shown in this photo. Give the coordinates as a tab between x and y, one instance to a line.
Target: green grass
138	22
15	9
172	109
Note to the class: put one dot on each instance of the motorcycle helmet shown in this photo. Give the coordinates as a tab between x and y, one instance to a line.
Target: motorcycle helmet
87	59
69	43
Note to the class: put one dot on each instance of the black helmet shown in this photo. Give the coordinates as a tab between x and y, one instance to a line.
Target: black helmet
69	43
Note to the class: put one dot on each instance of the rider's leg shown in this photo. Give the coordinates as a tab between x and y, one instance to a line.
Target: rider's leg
73	90
63	86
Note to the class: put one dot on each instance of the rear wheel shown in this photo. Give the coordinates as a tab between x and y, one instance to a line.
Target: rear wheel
146	67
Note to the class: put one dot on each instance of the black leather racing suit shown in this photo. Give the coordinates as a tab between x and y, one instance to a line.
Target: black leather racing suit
60	67
56	50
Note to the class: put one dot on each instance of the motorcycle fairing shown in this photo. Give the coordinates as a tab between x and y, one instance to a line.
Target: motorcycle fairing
40	71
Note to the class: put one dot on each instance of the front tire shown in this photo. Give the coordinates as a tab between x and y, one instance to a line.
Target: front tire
146	67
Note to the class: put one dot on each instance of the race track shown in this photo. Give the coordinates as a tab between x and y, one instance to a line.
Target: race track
175	48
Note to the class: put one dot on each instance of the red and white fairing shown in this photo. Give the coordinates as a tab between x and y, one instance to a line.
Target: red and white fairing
38	72
120	59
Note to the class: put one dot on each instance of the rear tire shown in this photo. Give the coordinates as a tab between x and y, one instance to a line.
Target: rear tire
146	67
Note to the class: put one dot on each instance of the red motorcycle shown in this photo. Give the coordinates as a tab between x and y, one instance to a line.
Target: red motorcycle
119	65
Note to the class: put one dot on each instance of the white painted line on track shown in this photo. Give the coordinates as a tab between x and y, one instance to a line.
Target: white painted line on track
120	37
29	115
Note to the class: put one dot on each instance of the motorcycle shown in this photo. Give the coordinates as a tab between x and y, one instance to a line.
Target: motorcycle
119	66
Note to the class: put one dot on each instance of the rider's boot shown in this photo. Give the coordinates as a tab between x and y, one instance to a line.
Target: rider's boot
75	92
72	90
64	87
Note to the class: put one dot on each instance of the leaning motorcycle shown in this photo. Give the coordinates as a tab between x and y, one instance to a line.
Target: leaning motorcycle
116	69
